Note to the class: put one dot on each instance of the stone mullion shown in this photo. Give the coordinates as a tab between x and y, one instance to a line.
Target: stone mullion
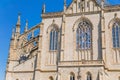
78	45
52	43
49	46
91	43
79	40
115	38
85	37
54	47
119	35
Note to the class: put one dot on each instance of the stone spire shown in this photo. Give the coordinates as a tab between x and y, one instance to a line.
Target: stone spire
18	24
13	33
18	21
102	4
43	8
64	2
65	5
26	26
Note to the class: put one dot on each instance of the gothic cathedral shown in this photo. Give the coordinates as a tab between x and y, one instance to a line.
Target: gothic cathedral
80	43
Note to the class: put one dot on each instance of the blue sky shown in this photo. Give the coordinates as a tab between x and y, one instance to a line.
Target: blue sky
30	10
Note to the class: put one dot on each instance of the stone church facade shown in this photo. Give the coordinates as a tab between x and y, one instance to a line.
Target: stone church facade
80	43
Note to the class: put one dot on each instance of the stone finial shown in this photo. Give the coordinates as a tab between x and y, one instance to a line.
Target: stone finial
18	25
13	33
53	21
43	8
18	21
115	15
102	4
65	5
64	2
26	26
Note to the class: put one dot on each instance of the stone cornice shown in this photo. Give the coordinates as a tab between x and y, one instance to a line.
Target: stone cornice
112	70
112	8
20	71
83	63
85	13
32	71
51	15
60	14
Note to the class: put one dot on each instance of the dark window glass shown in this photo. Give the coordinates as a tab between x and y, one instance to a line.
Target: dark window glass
53	39
83	36
72	77
116	35
89	76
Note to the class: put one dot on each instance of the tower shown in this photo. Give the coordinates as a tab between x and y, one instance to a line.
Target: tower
13	56
18	26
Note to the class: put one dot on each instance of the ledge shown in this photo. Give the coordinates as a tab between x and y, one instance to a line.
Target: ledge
81	63
51	15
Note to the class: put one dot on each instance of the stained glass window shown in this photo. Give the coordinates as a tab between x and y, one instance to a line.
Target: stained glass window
54	39
83	35
116	35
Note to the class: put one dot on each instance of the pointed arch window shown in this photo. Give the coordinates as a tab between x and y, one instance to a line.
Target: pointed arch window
116	35
83	35
119	78
51	78
54	39
89	77
72	76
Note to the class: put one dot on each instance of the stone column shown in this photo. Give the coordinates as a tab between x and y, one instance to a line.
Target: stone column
40	46
103	43
62	38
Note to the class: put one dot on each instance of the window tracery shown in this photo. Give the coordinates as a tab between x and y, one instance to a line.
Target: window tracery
116	35
54	39
83	36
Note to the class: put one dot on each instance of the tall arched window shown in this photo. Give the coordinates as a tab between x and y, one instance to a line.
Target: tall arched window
54	39
119	78
116	35
72	76
50	78
83	35
89	77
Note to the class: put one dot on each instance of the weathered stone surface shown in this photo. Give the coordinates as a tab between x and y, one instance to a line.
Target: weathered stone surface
102	61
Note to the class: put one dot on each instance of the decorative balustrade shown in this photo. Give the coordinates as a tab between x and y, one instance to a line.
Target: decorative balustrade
82	63
31	36
31	30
